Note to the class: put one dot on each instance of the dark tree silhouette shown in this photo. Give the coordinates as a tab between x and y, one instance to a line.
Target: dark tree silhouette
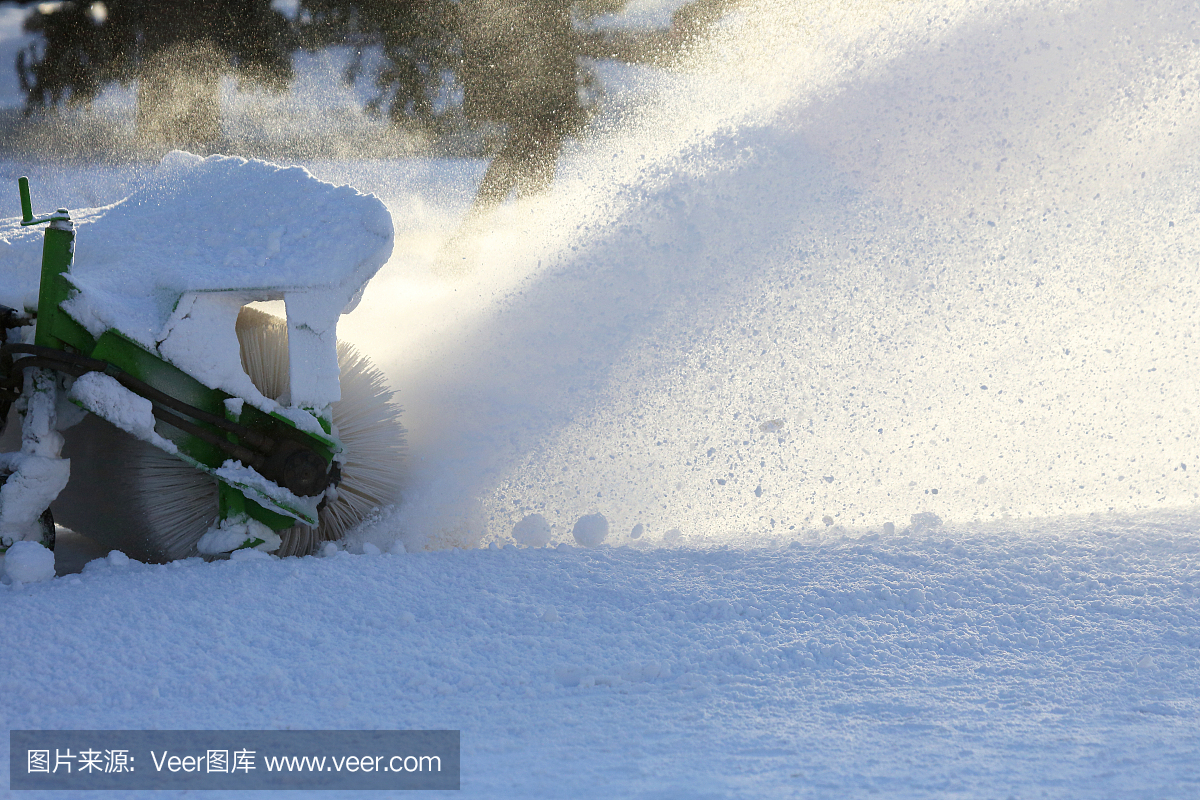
69	62
176	51
516	64
521	68
419	48
446	63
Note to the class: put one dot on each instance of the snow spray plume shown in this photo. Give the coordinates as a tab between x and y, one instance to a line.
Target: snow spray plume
866	273
134	498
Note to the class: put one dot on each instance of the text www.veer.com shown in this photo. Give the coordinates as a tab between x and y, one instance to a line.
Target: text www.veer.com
353	764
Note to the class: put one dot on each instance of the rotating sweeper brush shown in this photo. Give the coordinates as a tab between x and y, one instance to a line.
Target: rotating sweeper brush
213	426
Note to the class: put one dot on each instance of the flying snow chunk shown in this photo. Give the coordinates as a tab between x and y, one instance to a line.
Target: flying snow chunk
590	530
534	531
29	562
637	531
926	520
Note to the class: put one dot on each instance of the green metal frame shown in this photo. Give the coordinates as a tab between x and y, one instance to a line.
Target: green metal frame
55	328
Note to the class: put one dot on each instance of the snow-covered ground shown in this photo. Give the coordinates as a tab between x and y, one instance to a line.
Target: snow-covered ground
928	264
1058	660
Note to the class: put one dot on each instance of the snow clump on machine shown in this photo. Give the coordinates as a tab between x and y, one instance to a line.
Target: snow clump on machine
171	266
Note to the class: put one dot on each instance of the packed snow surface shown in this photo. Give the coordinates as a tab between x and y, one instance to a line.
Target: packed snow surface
1056	660
873	339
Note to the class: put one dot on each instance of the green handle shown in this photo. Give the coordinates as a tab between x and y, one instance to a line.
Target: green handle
27	217
26	203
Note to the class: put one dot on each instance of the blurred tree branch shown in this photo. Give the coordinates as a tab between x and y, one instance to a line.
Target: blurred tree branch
177	52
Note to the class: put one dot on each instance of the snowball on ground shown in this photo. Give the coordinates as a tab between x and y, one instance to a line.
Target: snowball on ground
532	531
590	530
29	562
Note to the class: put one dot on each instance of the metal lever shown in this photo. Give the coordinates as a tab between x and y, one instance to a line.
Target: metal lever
27	217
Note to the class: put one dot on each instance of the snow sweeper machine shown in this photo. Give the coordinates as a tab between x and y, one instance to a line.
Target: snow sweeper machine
155	407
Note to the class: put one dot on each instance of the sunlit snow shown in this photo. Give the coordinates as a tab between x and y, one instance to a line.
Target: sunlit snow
871	335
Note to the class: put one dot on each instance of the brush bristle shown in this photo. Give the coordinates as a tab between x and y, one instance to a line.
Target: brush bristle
133	497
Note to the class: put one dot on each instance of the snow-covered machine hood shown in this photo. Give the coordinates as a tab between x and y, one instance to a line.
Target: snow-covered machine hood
171	265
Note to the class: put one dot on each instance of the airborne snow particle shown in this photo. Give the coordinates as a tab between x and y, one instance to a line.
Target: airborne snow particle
828	520
590	530
532	531
889	528
672	536
637	531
